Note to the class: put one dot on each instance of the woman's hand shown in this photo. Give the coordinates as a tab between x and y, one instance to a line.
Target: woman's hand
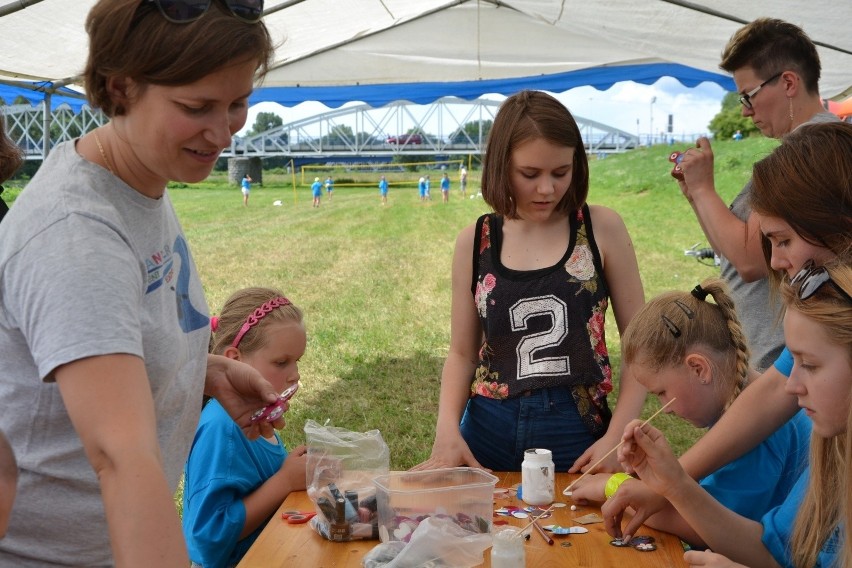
450	453
242	391
596	452
634	495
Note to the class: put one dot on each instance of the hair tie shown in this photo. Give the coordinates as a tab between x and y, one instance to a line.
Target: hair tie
258	315
699	292
214	323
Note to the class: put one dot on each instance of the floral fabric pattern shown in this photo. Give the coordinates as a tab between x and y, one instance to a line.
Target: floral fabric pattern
520	312
484	288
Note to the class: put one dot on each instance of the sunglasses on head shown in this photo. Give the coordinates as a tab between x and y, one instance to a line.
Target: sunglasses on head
184	11
811	278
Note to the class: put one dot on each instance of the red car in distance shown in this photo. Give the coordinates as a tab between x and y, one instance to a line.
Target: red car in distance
405	139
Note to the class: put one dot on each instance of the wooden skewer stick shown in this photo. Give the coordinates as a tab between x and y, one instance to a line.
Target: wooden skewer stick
543	513
543	534
597	463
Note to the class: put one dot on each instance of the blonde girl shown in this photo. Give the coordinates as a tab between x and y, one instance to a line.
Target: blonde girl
804	531
683	346
232	484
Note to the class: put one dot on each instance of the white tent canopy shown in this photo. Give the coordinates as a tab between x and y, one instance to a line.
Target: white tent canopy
374	51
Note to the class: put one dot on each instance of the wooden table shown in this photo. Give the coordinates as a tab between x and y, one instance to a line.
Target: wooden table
296	546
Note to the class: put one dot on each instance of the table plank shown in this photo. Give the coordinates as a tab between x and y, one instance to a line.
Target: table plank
285	546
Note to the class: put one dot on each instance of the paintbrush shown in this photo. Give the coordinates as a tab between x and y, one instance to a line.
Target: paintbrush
543	513
597	463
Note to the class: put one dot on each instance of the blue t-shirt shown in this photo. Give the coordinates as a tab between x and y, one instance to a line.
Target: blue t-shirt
762	478
778	529
445	184
246	184
383	186
316	188
223	467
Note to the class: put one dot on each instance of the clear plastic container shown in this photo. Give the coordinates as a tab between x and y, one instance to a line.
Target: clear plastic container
463	493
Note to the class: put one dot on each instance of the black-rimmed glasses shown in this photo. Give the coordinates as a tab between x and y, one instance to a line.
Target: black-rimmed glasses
185	11
811	278
745	98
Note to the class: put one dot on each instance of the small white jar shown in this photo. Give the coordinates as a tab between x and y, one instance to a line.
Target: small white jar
537	477
508	549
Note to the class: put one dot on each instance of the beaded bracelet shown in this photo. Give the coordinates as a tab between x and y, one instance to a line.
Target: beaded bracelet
614	482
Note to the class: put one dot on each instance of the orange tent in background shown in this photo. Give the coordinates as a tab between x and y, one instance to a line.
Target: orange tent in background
843	109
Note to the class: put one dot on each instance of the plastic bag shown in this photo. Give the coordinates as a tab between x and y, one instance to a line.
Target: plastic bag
341	465
437	541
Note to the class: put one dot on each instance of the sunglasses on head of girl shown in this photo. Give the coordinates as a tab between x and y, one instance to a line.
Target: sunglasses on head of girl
811	278
184	11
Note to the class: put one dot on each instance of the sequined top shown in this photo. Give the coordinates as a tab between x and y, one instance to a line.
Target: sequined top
545	327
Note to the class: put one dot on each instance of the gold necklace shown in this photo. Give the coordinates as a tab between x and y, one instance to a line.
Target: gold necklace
103	154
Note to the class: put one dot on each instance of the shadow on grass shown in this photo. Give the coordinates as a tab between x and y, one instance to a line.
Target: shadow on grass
396	395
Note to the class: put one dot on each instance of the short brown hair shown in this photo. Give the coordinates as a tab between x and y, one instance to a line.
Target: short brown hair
132	39
10	154
525	116
770	46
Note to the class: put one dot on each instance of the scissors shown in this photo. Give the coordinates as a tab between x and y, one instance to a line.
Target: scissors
297	517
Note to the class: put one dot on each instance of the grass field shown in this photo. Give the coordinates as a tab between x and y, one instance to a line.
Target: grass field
374	281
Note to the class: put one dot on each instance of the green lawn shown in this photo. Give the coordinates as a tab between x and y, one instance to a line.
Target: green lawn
374	282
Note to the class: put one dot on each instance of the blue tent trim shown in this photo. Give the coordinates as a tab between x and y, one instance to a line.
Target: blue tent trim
34	93
601	78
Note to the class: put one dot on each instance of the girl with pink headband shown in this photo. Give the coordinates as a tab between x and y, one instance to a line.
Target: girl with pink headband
232	484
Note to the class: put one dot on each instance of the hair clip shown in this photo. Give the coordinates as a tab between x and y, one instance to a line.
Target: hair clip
699	292
214	323
673	329
685	309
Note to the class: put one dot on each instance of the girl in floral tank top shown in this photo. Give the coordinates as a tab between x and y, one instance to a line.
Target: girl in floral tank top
528	365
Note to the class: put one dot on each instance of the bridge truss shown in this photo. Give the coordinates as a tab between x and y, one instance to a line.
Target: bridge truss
449	126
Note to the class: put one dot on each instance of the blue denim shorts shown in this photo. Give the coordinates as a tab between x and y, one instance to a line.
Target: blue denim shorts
499	431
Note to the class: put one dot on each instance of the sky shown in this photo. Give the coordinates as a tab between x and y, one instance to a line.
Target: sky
626	105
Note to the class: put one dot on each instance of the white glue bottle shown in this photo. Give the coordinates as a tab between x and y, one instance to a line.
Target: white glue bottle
508	549
537	477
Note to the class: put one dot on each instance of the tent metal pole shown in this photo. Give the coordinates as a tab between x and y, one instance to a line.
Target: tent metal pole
45	134
15	6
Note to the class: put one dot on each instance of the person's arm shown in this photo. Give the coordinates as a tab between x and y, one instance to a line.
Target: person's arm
264	500
648	454
621	271
108	399
708	559
737	241
449	448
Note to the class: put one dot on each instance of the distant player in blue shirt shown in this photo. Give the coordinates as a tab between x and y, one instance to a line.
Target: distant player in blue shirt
316	189
245	185
383	190
329	187
445	187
